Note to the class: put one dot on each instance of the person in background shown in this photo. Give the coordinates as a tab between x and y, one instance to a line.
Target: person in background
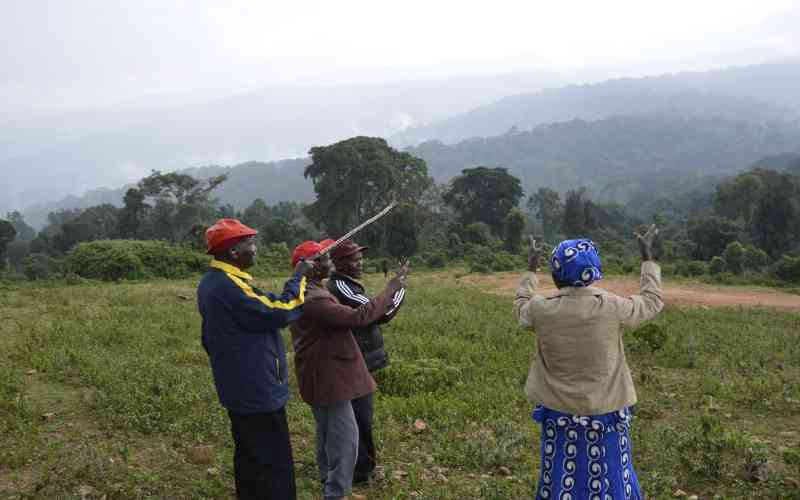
579	379
330	368
240	333
348	258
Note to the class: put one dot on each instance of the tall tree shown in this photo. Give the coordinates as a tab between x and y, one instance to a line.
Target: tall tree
546	203
484	194
514	227
357	177
7	235
775	222
24	231
257	214
402	231
710	235
739	197
133	213
575	213
181	202
94	223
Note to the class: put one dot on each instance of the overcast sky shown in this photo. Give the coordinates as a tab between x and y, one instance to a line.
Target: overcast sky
62	54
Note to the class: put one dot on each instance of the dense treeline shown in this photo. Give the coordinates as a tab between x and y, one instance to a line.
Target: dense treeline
616	159
745	225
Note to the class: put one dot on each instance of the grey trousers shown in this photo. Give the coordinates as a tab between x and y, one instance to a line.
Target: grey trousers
337	448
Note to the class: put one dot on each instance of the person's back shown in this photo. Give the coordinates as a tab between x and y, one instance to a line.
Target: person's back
581	366
579	379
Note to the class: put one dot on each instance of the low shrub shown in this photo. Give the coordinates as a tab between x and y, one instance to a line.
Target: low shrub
696	268
39	266
653	335
274	259
787	269
405	378
436	260
113	260
717	265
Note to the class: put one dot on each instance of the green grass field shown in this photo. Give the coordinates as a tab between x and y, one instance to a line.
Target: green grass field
105	392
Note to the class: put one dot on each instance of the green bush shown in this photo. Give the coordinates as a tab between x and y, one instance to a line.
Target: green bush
274	259
478	233
717	265
734	255
39	266
479	268
787	269
696	268
653	335
755	259
133	259
482	259
405	378
436	260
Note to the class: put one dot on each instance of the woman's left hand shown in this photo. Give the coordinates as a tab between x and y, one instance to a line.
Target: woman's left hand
534	252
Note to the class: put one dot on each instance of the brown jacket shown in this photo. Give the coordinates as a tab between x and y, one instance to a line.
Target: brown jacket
330	367
580	365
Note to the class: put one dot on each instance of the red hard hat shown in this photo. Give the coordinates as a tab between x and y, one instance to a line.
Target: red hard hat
305	250
225	233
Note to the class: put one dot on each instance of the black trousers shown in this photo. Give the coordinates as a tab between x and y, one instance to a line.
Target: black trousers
262	460
365	464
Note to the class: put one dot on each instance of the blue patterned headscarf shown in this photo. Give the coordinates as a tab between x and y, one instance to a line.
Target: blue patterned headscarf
576	263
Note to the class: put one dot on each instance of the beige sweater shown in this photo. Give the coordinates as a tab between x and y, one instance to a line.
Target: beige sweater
580	365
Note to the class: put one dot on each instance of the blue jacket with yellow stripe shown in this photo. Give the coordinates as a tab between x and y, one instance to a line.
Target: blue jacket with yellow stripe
240	333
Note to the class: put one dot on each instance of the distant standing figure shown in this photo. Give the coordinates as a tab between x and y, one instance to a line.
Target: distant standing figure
344	285
385	267
579	379
240	333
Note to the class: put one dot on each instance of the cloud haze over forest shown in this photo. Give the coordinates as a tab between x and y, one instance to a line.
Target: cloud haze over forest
74	72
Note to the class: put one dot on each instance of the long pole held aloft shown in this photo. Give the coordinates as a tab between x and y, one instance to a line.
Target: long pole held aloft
354	231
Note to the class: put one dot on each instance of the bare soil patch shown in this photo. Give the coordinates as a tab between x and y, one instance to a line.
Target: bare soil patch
693	295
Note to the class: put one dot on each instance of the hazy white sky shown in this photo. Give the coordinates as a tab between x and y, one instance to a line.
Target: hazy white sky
60	54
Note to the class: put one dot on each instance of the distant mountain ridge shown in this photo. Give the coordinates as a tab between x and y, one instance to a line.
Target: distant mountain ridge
757	93
273	181
617	158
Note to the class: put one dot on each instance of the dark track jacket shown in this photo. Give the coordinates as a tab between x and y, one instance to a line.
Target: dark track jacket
369	338
240	333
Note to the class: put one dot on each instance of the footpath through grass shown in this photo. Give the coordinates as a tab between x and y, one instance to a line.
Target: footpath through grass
106	391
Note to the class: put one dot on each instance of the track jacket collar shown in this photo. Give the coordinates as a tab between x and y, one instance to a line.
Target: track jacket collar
230	269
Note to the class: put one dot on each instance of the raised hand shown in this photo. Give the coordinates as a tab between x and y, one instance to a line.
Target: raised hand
646	241
401	273
534	252
304	267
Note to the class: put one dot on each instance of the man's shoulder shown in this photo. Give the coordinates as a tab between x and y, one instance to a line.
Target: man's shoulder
316	292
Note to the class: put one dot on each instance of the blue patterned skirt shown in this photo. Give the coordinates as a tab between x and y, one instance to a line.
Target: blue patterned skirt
586	458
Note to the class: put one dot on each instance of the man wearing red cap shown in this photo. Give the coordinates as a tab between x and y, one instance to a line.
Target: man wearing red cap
344	285
331	370
240	333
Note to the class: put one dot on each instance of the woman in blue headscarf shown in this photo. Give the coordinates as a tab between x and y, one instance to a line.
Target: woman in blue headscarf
579	379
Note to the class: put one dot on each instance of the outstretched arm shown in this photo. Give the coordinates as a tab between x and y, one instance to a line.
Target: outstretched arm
528	286
645	306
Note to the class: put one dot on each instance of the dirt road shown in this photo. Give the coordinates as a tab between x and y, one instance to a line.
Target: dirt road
675	294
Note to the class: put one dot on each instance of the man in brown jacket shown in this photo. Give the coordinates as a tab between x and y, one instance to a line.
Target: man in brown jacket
331	370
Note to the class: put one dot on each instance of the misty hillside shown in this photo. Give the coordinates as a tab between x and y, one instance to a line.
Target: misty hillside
274	182
70	153
607	155
620	159
756	93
